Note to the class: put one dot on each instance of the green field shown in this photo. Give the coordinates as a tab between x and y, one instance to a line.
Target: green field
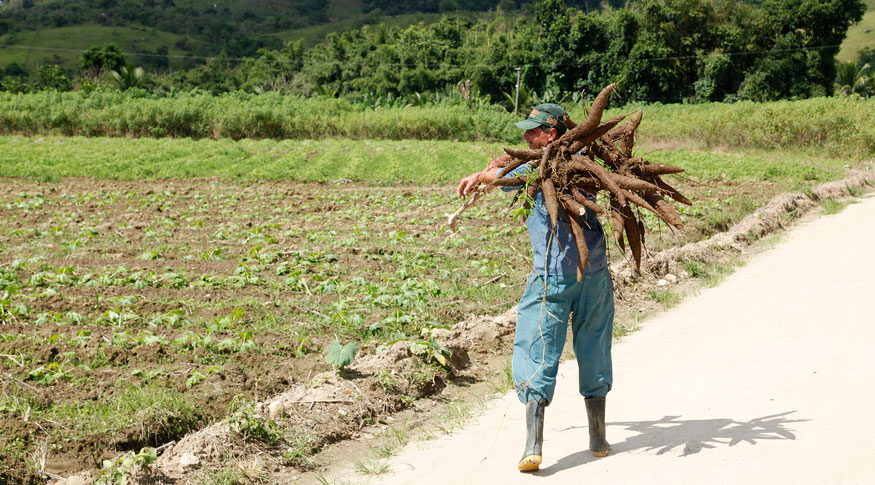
375	161
149	285
860	35
64	45
839	127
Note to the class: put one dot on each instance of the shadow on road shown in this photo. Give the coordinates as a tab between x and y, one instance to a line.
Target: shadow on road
692	435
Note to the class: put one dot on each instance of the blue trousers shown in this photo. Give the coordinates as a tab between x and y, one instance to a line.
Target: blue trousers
541	327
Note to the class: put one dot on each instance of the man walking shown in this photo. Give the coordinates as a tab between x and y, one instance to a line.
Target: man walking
553	294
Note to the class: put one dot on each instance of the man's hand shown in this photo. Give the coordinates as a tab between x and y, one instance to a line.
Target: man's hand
487	176
467	184
499	162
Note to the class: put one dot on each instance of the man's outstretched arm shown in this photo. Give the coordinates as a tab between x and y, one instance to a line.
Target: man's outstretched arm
485	177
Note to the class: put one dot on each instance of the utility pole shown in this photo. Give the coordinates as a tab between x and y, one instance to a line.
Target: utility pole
516	102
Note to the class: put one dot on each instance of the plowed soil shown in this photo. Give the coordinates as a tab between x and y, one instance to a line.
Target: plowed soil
132	313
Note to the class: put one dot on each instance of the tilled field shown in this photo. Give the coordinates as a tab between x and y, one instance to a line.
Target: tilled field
134	312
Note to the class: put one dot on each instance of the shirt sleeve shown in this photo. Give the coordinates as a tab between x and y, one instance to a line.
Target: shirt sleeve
522	169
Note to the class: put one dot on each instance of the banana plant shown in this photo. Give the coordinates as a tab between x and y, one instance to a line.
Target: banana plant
128	77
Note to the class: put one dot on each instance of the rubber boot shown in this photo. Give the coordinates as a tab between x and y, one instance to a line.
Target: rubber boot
595	414
534	435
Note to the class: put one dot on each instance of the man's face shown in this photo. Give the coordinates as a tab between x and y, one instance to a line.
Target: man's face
538	138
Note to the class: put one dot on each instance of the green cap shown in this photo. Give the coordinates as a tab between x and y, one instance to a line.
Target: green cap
548	115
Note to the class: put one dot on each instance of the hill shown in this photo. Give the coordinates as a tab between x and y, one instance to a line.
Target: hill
37	31
63	45
860	36
182	34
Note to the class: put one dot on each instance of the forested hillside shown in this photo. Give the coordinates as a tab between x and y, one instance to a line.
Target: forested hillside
662	50
240	28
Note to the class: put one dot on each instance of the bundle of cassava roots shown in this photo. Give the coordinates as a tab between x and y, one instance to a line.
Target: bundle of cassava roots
591	157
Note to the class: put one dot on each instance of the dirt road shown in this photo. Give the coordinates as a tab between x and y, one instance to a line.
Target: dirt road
768	378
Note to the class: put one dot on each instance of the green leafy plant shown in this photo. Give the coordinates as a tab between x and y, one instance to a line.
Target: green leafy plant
429	349
340	355
196	377
248	424
524	210
127	77
120	470
303	348
300	449
48	373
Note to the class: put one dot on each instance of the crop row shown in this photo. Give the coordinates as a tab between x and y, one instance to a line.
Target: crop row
840	126
335	161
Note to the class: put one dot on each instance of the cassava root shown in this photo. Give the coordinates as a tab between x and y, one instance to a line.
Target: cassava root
586	160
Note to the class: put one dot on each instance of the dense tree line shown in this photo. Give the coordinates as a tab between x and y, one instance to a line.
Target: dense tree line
239	29
660	50
392	7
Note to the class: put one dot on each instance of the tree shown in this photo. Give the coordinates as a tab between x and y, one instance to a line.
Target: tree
803	37
672	33
866	56
50	76
448	5
127	77
854	78
273	70
162	58
101	58
14	69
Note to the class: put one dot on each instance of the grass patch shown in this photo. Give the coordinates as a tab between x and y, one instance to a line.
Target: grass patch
711	273
298	453
224	476
455	416
788	168
666	296
130	38
832	206
393	439
304	160
859	36
371	466
502	381
251	471
48	158
621	329
158	415
719	215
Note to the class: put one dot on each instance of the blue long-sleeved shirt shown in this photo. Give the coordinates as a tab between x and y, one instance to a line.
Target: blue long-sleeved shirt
557	254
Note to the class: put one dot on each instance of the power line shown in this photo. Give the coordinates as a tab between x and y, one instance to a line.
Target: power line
142	54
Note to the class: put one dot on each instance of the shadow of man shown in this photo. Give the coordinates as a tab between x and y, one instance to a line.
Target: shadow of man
693	435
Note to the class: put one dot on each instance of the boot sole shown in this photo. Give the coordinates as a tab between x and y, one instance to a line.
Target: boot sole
530	463
601	454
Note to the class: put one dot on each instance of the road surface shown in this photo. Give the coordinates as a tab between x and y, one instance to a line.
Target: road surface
768	378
